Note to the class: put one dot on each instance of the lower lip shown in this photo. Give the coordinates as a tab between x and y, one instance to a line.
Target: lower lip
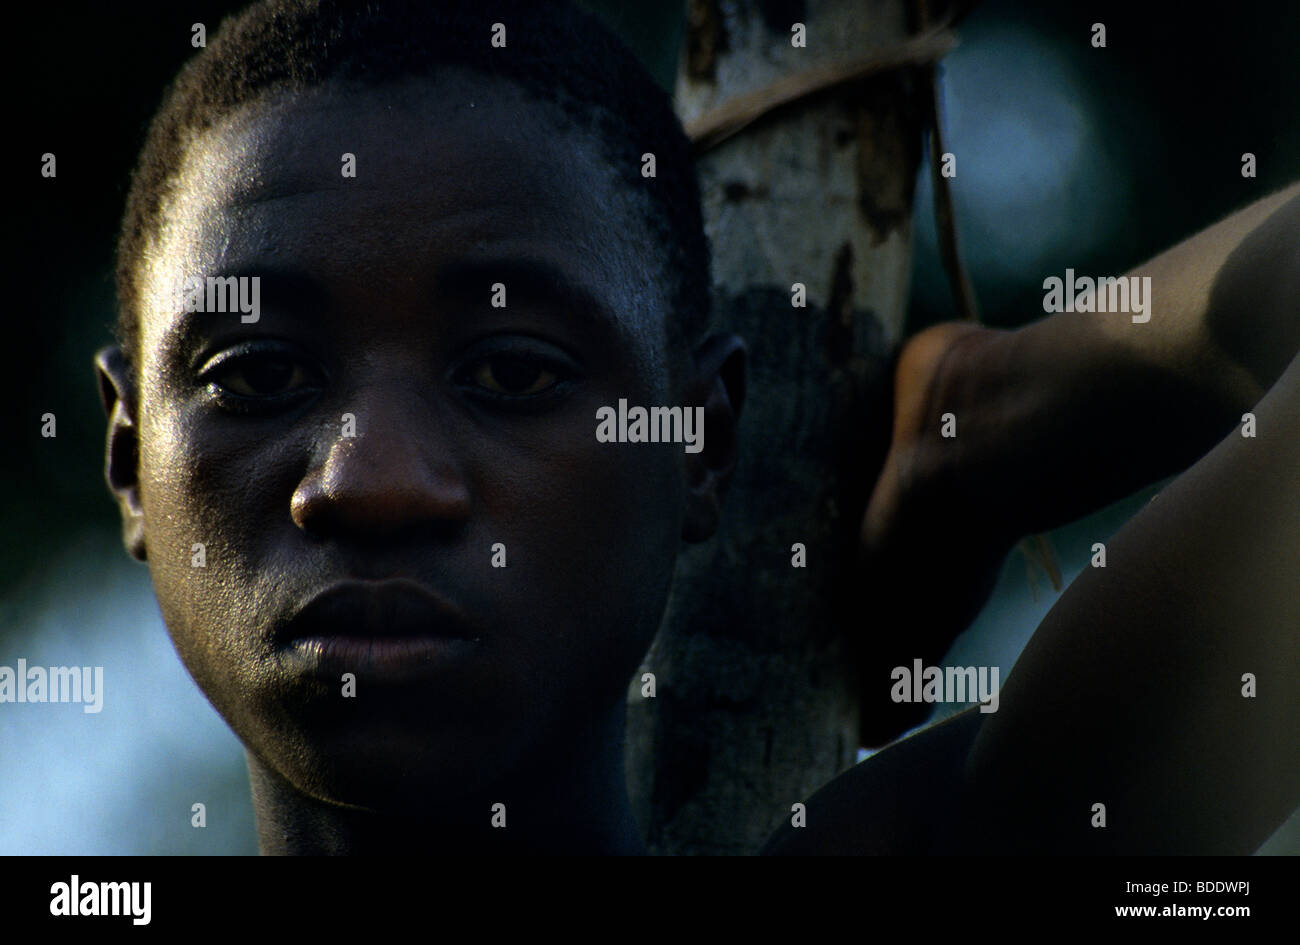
392	658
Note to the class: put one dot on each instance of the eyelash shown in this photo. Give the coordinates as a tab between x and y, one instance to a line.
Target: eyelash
250	355
563	376
466	377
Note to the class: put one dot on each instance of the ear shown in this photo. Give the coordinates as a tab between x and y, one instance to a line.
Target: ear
718	385
122	450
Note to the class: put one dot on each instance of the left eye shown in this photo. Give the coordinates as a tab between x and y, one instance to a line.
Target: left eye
514	376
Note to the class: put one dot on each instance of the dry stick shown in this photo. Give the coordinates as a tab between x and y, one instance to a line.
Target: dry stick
718	124
1037	549
963	292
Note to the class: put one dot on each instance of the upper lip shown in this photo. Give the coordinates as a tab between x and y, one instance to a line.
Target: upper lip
391	608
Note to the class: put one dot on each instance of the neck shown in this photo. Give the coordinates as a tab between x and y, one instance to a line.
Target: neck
572	801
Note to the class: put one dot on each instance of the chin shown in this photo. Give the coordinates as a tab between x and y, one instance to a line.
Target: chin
398	771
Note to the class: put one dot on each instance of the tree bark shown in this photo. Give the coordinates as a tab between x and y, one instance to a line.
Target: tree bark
756	701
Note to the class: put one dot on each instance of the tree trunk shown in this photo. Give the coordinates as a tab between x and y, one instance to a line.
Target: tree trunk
756	693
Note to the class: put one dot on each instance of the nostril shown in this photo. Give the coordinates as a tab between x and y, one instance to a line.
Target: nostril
378	487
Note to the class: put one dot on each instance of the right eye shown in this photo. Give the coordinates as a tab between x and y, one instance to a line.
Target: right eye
252	377
261	376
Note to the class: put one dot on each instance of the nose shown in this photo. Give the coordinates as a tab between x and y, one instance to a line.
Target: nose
397	473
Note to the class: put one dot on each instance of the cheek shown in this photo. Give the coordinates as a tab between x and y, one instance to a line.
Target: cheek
596	542
198	486
207	498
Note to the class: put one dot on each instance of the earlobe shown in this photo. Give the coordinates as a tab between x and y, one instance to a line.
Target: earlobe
122	448
718	385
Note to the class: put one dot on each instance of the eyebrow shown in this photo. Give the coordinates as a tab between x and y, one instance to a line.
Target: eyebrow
529	280
289	291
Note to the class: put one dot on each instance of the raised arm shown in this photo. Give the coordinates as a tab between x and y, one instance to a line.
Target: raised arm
1062	417
1164	686
1082	408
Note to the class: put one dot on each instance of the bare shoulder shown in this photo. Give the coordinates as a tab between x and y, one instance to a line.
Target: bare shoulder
901	801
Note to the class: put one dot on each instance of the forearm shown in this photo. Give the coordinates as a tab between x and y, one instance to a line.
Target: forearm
1132	693
1080	409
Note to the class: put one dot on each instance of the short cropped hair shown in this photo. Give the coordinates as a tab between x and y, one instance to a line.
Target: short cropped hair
557	53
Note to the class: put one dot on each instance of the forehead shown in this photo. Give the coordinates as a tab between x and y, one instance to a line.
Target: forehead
464	168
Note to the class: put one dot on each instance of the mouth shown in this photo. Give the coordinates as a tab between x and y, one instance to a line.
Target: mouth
389	630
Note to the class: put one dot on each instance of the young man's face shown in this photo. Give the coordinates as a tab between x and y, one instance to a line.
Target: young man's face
474	436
